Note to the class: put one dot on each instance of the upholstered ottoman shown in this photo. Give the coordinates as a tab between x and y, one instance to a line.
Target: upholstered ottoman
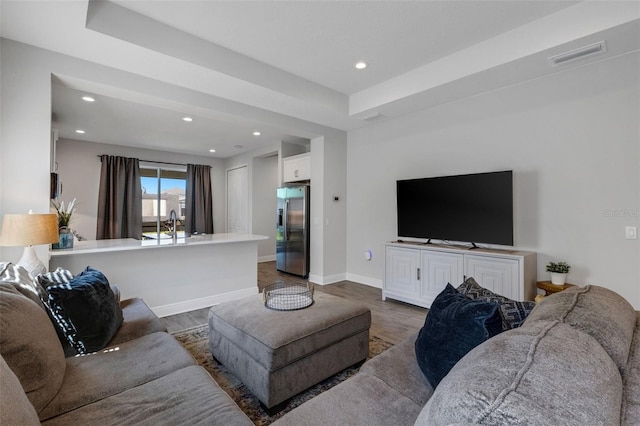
278	354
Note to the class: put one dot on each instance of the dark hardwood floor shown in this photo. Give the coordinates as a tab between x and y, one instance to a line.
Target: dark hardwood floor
390	320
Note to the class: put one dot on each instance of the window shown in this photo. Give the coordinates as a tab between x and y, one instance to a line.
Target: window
163	190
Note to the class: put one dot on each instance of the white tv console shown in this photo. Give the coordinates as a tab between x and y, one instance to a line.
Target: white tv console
416	273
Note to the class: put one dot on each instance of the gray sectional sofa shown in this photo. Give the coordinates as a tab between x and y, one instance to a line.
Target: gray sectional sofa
575	361
143	376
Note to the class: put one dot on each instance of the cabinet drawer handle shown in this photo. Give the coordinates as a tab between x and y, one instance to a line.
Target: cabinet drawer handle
418	274
295	172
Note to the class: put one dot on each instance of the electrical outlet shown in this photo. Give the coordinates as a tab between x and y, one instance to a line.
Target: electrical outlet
631	233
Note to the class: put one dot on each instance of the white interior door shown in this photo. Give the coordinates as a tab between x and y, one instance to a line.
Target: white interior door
238	200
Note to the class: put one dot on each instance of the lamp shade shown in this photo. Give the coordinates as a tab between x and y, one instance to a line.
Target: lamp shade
29	229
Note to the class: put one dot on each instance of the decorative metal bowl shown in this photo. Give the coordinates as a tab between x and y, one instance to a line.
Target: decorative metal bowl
288	296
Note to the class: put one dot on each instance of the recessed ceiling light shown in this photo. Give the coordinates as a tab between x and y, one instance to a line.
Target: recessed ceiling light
88	99
361	65
256	133
188	119
212	150
82	132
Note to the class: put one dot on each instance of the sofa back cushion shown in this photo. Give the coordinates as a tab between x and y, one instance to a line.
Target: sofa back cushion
597	311
542	373
15	408
30	346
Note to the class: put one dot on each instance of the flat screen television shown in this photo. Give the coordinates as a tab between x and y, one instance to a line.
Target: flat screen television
475	208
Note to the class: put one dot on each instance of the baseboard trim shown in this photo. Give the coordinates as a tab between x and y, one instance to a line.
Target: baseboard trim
269	258
361	279
203	302
330	279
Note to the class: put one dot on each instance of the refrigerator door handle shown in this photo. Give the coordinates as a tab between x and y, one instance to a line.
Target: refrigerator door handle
285	233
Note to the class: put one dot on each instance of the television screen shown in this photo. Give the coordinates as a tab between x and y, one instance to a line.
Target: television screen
476	208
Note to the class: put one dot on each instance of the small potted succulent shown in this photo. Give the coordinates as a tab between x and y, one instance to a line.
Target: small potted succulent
558	271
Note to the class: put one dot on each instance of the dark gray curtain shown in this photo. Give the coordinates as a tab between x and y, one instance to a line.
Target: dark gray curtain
199	207
120	198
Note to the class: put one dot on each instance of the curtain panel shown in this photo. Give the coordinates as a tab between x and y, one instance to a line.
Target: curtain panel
199	200
120	198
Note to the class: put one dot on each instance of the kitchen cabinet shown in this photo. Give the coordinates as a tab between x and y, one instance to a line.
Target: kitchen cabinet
297	168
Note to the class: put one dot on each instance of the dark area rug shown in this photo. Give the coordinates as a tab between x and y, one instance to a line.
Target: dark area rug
195	340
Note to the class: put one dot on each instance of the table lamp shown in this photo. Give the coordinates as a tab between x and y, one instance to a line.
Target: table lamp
29	230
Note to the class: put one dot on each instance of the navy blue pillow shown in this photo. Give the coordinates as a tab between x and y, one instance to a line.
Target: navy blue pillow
454	325
85	310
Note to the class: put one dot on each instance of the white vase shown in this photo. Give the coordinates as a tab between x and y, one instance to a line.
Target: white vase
557	278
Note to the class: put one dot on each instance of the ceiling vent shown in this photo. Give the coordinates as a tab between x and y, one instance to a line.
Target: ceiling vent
572	55
376	117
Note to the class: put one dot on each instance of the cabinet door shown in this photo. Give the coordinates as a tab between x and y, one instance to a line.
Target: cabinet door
401	273
304	168
438	269
296	169
496	274
289	167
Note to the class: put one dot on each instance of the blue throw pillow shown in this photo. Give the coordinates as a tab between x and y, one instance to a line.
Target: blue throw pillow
85	310
454	325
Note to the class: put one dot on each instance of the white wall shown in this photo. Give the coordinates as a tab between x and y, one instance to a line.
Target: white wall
573	141
79	172
328	217
25	137
265	183
263	180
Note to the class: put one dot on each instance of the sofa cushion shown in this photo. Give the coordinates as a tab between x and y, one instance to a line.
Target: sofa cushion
138	320
188	396
631	379
513	313
90	378
85	310
398	368
600	312
15	408
545	373
30	346
454	325
362	400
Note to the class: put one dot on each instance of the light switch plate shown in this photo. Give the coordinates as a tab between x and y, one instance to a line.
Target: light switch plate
631	232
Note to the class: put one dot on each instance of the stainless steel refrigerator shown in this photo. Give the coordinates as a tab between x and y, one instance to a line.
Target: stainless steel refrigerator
292	233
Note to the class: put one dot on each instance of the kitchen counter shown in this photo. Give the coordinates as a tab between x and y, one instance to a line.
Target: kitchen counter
124	244
172	277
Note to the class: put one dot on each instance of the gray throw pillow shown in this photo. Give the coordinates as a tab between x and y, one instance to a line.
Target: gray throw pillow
59	276
513	313
20	278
